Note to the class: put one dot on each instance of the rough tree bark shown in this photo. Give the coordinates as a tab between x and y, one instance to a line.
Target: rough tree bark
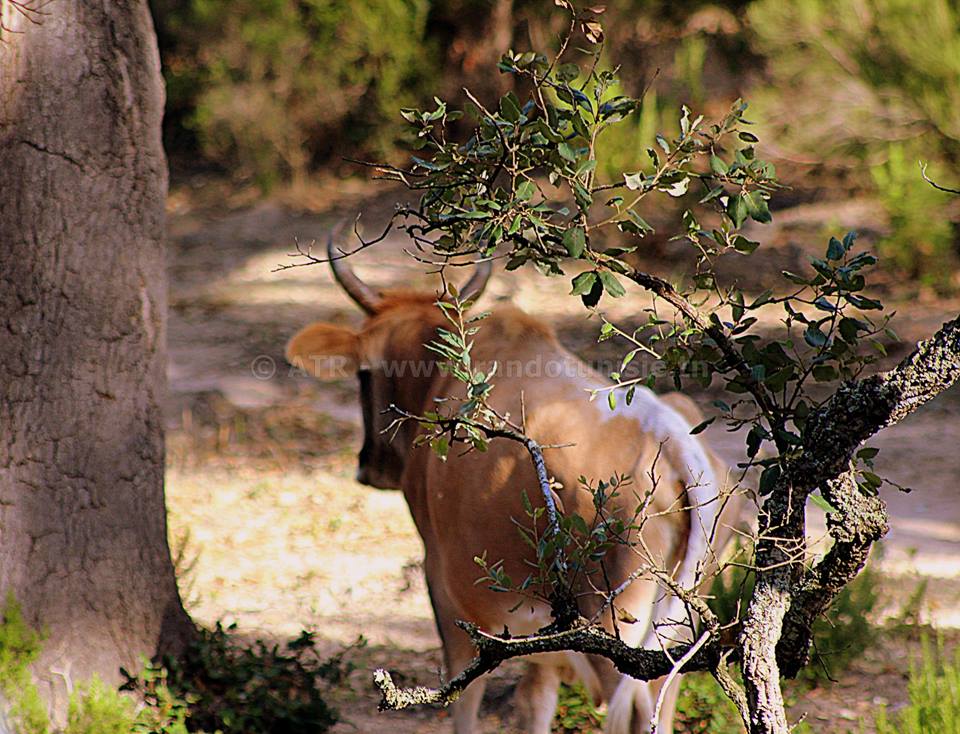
83	542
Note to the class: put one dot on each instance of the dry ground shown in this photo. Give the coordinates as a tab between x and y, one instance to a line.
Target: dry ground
273	532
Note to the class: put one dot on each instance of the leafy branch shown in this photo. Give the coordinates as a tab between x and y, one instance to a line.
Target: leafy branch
523	187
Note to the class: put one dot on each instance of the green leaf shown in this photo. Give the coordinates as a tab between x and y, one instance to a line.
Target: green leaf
586	166
737	210
611	285
641	225
835	249
612	400
754	440
849	329
574	240
864	303
814	337
794	278
582	195
702	426
678	188
768	478
822	503
633	181
757	207
579	524
714	193
825	373
743	245
525	191
584	283
566	151
717	165
592	298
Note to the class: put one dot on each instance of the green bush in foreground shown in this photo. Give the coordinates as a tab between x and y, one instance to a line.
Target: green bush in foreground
934	689
703	708
576	713
921	239
234	688
220	685
19	648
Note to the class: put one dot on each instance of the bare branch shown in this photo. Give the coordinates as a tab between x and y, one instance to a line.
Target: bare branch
923	172
671	676
590	639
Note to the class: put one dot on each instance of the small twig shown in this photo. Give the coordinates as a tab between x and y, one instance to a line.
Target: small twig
674	672
923	172
312	259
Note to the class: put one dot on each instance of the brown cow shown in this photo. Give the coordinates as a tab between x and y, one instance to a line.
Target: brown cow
470	504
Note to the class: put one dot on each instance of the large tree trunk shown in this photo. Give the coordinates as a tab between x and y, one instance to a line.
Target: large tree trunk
83	543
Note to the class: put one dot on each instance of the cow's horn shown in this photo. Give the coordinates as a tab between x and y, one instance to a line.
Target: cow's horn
473	288
365	296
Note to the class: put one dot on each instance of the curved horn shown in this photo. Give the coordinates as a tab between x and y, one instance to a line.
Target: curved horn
473	288
364	296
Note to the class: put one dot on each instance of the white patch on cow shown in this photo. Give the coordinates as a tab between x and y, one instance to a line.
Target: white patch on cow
686	455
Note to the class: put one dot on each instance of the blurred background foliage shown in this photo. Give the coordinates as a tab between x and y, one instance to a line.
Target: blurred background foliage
848	94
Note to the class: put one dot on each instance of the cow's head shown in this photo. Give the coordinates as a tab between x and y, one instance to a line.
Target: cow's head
388	356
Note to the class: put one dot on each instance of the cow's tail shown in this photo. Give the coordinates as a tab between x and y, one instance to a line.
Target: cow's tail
704	502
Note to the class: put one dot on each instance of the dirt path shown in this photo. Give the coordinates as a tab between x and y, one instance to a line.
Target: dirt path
276	535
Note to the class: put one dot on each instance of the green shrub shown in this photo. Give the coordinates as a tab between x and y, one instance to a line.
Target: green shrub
268	86
870	86
703	708
841	636
234	687
220	684
19	647
95	708
934	689
576	713
921	238
847	77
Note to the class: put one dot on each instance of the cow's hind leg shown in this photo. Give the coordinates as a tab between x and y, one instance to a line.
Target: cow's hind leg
466	708
458	651
536	696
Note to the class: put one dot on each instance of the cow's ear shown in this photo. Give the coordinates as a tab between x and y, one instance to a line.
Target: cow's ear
326	351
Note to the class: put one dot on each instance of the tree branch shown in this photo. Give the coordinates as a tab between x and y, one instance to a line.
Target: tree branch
581	637
856	412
